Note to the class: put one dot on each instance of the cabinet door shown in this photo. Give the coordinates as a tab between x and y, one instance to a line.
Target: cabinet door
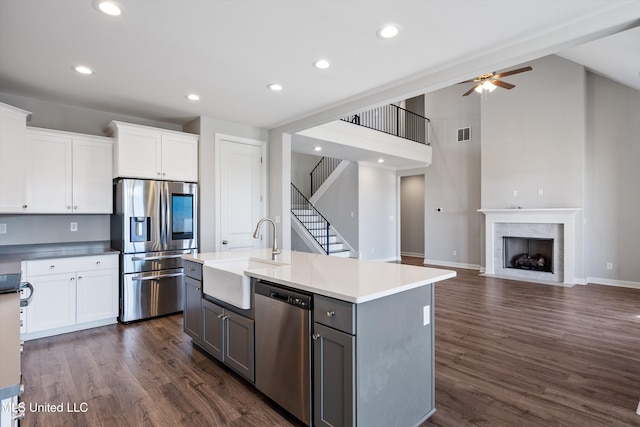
13	155
180	157
333	377
49	173
138	153
92	177
238	344
54	302
212	329
192	313
97	295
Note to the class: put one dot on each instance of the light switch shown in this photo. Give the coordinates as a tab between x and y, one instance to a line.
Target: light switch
74	226
3	228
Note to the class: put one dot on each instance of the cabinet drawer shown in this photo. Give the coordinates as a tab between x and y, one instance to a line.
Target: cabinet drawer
192	269
340	315
71	264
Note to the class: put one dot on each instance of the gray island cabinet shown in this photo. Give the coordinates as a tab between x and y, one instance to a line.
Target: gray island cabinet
372	332
373	362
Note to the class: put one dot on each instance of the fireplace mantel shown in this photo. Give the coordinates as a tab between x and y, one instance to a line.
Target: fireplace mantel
564	216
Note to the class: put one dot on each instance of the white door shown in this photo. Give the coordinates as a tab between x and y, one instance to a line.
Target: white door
241	186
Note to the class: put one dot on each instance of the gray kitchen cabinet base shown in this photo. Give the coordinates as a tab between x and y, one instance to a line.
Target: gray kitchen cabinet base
192	313
229	337
393	361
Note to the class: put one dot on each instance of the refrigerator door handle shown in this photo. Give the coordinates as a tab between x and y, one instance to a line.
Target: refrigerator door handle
163	214
154	258
159	276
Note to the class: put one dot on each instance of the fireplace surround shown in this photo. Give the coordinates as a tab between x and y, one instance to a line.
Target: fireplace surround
554	223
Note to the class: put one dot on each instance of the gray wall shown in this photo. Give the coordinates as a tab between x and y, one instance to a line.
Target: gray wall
612	231
533	137
339	204
453	180
51	115
301	167
49	229
412	202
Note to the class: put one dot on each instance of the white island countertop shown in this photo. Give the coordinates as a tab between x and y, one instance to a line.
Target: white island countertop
346	279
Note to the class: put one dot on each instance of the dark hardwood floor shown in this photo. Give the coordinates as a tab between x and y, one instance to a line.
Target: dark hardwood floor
508	353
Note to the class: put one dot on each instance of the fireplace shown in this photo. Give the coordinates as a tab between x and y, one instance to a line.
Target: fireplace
557	224
528	253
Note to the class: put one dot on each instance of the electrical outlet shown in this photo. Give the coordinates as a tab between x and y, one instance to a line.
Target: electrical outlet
540	192
455	252
609	266
74	226
3	228
426	315
515	193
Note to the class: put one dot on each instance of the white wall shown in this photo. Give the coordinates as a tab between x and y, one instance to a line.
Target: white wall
207	128
612	230
452	182
377	205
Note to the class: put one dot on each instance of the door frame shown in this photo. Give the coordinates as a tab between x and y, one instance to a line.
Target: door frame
219	137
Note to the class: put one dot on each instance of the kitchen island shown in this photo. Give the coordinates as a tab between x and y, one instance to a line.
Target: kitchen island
372	353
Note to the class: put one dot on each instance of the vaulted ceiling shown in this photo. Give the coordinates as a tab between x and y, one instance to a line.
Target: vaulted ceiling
148	59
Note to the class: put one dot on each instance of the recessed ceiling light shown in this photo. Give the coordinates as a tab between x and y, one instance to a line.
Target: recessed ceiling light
275	87
388	31
317	148
380	160
108	7
322	64
193	97
83	69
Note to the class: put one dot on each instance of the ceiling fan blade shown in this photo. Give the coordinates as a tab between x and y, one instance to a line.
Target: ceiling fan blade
509	73
471	90
467	81
503	84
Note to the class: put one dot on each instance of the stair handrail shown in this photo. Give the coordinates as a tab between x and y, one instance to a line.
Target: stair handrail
321	172
296	198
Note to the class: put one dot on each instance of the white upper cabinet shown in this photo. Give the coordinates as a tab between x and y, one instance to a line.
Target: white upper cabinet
152	153
68	172
13	175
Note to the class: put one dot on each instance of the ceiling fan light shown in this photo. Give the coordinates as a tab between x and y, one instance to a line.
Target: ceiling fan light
488	85
478	89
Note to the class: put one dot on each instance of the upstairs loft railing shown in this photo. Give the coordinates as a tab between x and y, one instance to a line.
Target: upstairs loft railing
393	120
301	208
321	172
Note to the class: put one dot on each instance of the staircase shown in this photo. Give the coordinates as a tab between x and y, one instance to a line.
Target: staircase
323	235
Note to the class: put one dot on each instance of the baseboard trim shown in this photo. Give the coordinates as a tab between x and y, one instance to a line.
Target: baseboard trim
613	282
452	264
413	254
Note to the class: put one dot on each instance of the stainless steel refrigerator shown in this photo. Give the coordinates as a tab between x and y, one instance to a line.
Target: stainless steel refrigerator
153	225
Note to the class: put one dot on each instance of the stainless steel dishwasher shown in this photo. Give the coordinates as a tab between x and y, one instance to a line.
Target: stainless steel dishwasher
283	347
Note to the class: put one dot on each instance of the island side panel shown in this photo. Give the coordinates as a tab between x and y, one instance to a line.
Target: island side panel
395	359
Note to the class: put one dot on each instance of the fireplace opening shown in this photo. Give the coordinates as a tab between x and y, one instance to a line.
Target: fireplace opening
528	253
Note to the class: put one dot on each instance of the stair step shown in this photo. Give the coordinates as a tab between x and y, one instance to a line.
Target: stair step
342	254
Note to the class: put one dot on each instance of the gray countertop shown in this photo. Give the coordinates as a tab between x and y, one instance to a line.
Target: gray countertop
10	261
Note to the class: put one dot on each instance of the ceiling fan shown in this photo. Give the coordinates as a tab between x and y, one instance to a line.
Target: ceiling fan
489	81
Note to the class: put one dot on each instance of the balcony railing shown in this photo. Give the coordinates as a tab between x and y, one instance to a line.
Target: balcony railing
393	120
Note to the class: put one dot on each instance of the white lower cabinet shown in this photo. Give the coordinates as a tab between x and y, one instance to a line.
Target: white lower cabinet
71	294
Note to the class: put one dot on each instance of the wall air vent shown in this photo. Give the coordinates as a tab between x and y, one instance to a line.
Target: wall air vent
464	134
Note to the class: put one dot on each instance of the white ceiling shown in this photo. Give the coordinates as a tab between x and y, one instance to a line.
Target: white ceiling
149	58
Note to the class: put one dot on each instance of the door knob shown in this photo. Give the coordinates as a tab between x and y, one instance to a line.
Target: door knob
224	242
